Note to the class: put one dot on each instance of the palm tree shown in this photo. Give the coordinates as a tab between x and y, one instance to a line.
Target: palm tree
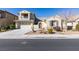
66	15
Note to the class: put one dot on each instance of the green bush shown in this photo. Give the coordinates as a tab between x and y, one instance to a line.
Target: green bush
7	27
12	26
77	27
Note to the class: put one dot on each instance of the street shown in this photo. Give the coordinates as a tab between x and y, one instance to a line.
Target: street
39	45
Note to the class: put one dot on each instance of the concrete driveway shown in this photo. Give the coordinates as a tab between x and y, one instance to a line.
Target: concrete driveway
15	34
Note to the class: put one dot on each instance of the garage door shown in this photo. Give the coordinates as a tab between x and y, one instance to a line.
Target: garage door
25	26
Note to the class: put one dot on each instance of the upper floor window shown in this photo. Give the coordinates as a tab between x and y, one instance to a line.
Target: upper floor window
24	15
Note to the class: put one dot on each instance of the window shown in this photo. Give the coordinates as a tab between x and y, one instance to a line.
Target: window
25	15
51	23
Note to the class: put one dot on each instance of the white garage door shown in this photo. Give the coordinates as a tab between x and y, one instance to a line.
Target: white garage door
25	26
29	27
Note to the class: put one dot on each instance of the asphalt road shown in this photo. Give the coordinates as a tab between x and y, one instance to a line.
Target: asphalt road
39	45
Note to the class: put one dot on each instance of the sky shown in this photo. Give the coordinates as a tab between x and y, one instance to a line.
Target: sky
42	12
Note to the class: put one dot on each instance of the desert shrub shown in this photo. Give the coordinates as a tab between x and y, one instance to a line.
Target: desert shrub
50	30
77	27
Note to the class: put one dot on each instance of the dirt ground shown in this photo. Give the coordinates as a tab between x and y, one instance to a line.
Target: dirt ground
66	32
36	32
71	32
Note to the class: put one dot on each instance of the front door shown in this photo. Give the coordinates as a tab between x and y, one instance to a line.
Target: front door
69	26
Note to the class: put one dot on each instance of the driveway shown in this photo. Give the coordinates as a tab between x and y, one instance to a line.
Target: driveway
17	33
20	34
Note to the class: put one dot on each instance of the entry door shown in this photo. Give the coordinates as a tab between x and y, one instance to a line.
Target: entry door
69	26
51	23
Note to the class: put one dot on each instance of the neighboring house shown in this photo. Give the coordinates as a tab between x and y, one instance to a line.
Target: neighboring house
71	24
56	22
7	18
59	22
26	18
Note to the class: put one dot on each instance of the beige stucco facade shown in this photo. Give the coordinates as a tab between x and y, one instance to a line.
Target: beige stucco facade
57	21
62	23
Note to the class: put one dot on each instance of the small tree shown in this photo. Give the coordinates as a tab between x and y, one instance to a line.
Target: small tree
77	27
66	16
